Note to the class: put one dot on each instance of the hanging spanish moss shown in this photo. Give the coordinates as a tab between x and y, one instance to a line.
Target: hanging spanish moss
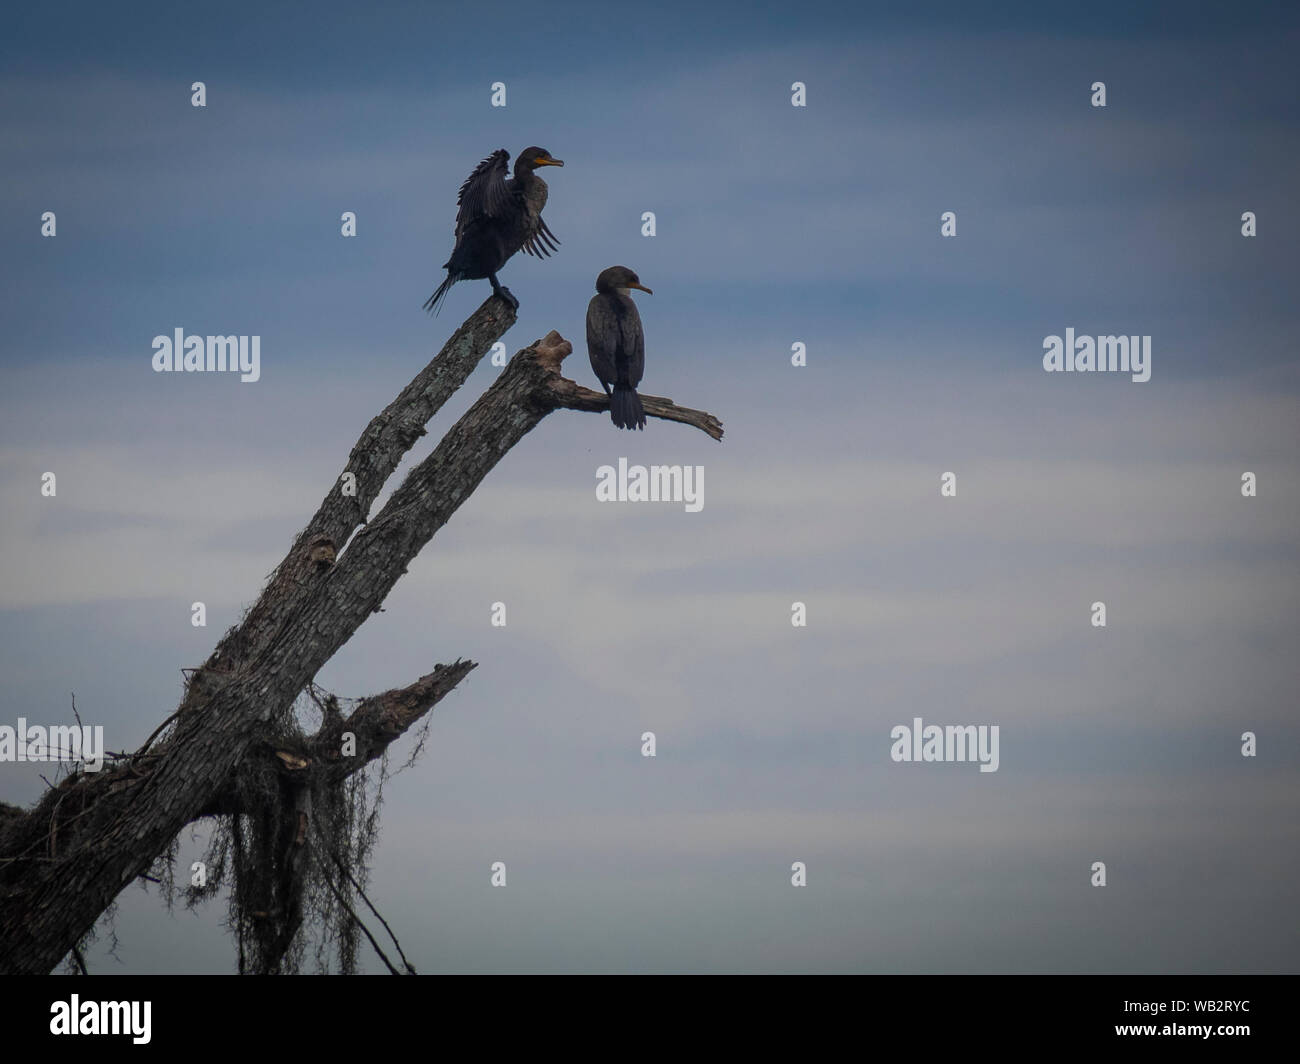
292	828
294	856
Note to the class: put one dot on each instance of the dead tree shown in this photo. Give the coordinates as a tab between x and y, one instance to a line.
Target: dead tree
64	861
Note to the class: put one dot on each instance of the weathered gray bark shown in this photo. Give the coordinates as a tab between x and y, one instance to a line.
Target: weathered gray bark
63	863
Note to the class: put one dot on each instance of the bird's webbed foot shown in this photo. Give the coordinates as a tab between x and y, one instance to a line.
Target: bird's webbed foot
507	295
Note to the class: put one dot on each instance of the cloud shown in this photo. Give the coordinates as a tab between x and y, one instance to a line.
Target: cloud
775	226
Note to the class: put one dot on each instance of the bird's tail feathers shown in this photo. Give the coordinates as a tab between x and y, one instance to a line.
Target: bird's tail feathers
434	303
625	408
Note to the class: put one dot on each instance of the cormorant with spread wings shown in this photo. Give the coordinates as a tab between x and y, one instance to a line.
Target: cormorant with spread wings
498	216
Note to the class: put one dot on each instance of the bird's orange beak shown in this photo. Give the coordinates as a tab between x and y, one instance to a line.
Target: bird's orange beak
549	162
642	287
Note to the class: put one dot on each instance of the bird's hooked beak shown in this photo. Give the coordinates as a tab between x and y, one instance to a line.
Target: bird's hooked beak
548	162
642	287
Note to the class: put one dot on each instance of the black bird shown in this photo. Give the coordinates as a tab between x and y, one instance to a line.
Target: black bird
616	344
497	216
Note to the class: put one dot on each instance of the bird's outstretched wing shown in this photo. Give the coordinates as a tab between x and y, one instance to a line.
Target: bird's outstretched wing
542	242
484	193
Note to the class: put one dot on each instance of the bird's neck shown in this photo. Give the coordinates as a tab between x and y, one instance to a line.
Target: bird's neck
534	192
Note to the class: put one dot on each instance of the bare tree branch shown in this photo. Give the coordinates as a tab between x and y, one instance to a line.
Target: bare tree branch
375	724
574	396
111	825
121	824
381	719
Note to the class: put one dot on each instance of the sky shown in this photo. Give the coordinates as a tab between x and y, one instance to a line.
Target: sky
774	225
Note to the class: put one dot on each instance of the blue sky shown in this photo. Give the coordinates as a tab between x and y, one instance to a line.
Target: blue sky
774	225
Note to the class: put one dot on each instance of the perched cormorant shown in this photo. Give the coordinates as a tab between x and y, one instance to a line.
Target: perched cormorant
616	344
497	216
